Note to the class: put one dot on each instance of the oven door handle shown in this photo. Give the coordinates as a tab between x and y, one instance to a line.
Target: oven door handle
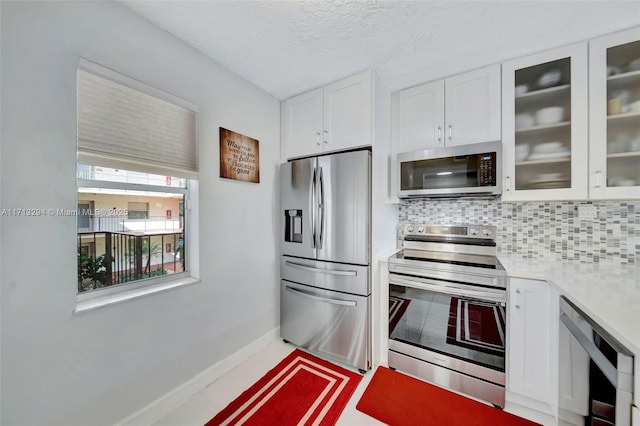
438	287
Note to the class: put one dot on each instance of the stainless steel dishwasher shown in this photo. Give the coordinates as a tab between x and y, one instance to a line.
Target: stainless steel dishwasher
596	372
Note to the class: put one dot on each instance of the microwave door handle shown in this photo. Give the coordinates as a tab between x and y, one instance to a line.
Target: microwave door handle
311	296
592	350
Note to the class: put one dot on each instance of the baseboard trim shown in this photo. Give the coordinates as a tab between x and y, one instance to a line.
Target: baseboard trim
165	404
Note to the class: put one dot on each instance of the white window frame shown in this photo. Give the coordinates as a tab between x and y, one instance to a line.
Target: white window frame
98	298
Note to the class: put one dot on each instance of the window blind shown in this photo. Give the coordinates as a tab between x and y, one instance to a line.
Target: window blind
125	124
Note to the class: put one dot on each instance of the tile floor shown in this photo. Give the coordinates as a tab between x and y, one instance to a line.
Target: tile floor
204	405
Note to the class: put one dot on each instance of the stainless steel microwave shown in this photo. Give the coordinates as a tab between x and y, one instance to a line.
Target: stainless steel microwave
457	171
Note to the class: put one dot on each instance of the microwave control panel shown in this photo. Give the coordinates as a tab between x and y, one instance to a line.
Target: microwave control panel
487	169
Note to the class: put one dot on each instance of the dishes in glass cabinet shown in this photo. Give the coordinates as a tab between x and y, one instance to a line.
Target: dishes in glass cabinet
612	70
632	107
549	115
550	79
523	121
521	89
634	65
522	152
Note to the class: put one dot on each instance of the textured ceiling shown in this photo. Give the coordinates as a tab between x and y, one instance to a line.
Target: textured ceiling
288	47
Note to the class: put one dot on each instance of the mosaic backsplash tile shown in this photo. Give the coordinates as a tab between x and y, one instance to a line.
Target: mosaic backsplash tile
541	229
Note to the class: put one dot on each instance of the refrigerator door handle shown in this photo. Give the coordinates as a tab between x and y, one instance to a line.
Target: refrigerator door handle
320	270
322	210
312	208
321	299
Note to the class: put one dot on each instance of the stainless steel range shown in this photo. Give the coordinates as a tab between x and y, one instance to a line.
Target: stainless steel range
447	309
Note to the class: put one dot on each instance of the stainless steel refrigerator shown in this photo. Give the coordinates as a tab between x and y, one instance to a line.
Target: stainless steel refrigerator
325	289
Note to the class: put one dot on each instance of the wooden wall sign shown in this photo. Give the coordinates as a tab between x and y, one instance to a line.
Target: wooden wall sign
239	157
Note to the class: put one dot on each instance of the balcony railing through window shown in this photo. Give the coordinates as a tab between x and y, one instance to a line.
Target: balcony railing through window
112	258
157	224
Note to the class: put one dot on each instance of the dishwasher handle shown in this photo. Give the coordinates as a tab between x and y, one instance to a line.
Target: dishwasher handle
312	296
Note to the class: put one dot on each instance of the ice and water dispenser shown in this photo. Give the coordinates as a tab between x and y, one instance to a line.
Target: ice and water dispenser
293	226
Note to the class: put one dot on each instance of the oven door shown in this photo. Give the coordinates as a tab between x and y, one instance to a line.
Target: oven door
456	326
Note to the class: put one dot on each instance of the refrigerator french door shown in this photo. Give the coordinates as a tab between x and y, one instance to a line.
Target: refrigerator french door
325	240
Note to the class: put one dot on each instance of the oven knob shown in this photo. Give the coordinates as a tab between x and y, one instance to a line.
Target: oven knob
421	229
486	232
410	228
473	231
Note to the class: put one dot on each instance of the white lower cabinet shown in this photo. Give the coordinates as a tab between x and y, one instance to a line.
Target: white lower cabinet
532	349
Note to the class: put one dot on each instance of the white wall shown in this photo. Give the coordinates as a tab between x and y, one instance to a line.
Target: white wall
100	366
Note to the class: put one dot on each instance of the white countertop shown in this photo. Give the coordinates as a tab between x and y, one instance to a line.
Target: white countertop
609	294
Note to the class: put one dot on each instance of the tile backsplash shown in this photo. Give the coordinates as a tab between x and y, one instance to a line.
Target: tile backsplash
541	229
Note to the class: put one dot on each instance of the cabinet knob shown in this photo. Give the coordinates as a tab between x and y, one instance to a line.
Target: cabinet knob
517	306
318	133
518	290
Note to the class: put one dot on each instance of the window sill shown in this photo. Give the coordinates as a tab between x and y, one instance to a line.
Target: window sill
123	296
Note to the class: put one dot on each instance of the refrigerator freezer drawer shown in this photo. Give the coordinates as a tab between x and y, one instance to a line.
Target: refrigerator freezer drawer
329	324
327	275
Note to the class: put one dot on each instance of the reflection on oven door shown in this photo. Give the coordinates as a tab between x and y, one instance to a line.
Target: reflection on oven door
467	329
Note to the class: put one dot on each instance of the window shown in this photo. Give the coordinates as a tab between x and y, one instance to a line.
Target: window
136	164
137	210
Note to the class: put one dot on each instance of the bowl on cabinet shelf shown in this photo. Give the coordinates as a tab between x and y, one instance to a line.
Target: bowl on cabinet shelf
549	115
550	79
632	107
521	152
524	121
634	65
521	89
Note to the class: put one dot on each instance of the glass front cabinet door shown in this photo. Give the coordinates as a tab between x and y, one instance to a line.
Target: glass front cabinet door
545	140
614	116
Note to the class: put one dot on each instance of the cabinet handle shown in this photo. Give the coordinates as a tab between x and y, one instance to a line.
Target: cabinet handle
507	184
517	306
450	132
318	139
518	290
326	132
598	179
439	134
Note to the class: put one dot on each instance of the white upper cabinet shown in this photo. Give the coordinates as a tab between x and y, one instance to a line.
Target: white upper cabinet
544	125
614	116
472	107
302	124
332	118
421	117
459	110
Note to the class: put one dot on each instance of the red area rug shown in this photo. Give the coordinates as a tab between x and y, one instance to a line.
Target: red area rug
476	325
301	390
397	399
397	308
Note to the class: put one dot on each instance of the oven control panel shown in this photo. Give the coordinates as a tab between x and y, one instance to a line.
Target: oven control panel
484	232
